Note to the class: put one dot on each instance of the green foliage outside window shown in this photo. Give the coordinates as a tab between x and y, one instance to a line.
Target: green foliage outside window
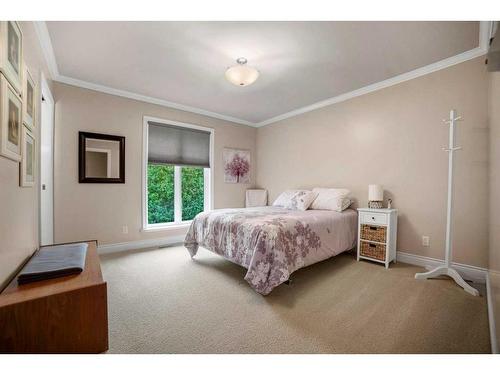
161	193
192	192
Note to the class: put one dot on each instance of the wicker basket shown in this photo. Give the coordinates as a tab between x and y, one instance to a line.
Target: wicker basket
373	250
373	233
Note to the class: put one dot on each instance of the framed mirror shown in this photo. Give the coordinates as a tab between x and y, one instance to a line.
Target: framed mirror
101	158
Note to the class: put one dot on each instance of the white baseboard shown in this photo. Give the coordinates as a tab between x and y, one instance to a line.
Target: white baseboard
491	317
472	273
141	244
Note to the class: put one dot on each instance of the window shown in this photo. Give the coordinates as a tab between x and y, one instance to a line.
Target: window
177	178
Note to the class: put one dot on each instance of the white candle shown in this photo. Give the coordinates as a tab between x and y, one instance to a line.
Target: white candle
375	193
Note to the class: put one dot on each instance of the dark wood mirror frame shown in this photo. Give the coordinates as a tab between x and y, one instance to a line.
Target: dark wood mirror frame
82	138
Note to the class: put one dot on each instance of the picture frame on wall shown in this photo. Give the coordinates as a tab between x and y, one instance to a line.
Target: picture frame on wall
10	121
28	161
11	53
29	106
236	166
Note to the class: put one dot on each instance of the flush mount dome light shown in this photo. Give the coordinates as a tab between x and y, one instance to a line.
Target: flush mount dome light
242	74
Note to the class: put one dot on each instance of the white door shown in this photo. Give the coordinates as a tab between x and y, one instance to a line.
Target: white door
47	167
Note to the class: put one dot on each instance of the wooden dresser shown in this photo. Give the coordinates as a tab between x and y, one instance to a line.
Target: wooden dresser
63	315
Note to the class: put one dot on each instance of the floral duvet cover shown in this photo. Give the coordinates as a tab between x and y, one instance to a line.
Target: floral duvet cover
272	242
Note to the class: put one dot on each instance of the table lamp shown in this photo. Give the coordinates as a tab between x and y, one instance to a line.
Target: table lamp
375	196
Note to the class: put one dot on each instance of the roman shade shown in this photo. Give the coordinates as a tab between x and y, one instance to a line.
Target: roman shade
170	144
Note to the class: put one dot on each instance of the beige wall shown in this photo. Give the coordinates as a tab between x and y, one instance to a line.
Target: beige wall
394	137
87	211
494	258
19	206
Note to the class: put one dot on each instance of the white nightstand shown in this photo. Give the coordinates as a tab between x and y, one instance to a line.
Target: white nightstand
377	234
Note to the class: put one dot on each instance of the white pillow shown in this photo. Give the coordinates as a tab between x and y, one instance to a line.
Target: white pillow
331	199
295	199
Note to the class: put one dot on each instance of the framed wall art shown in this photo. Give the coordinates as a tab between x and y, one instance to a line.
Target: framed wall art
10	121
236	166
28	161
11	53
29	107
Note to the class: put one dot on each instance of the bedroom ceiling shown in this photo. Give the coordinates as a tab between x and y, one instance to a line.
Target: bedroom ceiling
300	63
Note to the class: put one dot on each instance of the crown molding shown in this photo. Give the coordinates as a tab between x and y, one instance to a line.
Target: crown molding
46	44
50	58
485	33
485	30
147	99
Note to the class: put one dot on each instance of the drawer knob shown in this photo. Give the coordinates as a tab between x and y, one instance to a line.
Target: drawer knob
373	217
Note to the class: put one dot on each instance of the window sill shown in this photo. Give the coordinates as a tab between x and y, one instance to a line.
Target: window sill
166	227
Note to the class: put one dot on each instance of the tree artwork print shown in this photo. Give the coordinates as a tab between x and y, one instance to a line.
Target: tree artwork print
236	166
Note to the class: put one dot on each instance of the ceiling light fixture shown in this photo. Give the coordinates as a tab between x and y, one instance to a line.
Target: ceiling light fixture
242	74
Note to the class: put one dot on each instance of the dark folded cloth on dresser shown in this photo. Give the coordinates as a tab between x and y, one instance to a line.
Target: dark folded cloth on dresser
54	261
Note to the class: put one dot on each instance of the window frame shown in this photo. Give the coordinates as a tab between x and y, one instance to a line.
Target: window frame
208	198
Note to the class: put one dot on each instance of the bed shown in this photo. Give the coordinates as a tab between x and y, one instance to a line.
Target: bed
272	242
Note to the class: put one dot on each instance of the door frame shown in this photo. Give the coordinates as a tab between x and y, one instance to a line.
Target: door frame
44	90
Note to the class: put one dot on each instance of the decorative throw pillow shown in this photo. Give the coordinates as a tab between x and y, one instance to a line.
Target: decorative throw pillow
295	199
345	203
331	199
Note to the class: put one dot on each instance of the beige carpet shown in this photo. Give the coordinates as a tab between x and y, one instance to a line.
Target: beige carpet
160	301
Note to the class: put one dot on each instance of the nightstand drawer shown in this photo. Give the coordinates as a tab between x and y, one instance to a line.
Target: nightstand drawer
373	233
372	250
373	218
